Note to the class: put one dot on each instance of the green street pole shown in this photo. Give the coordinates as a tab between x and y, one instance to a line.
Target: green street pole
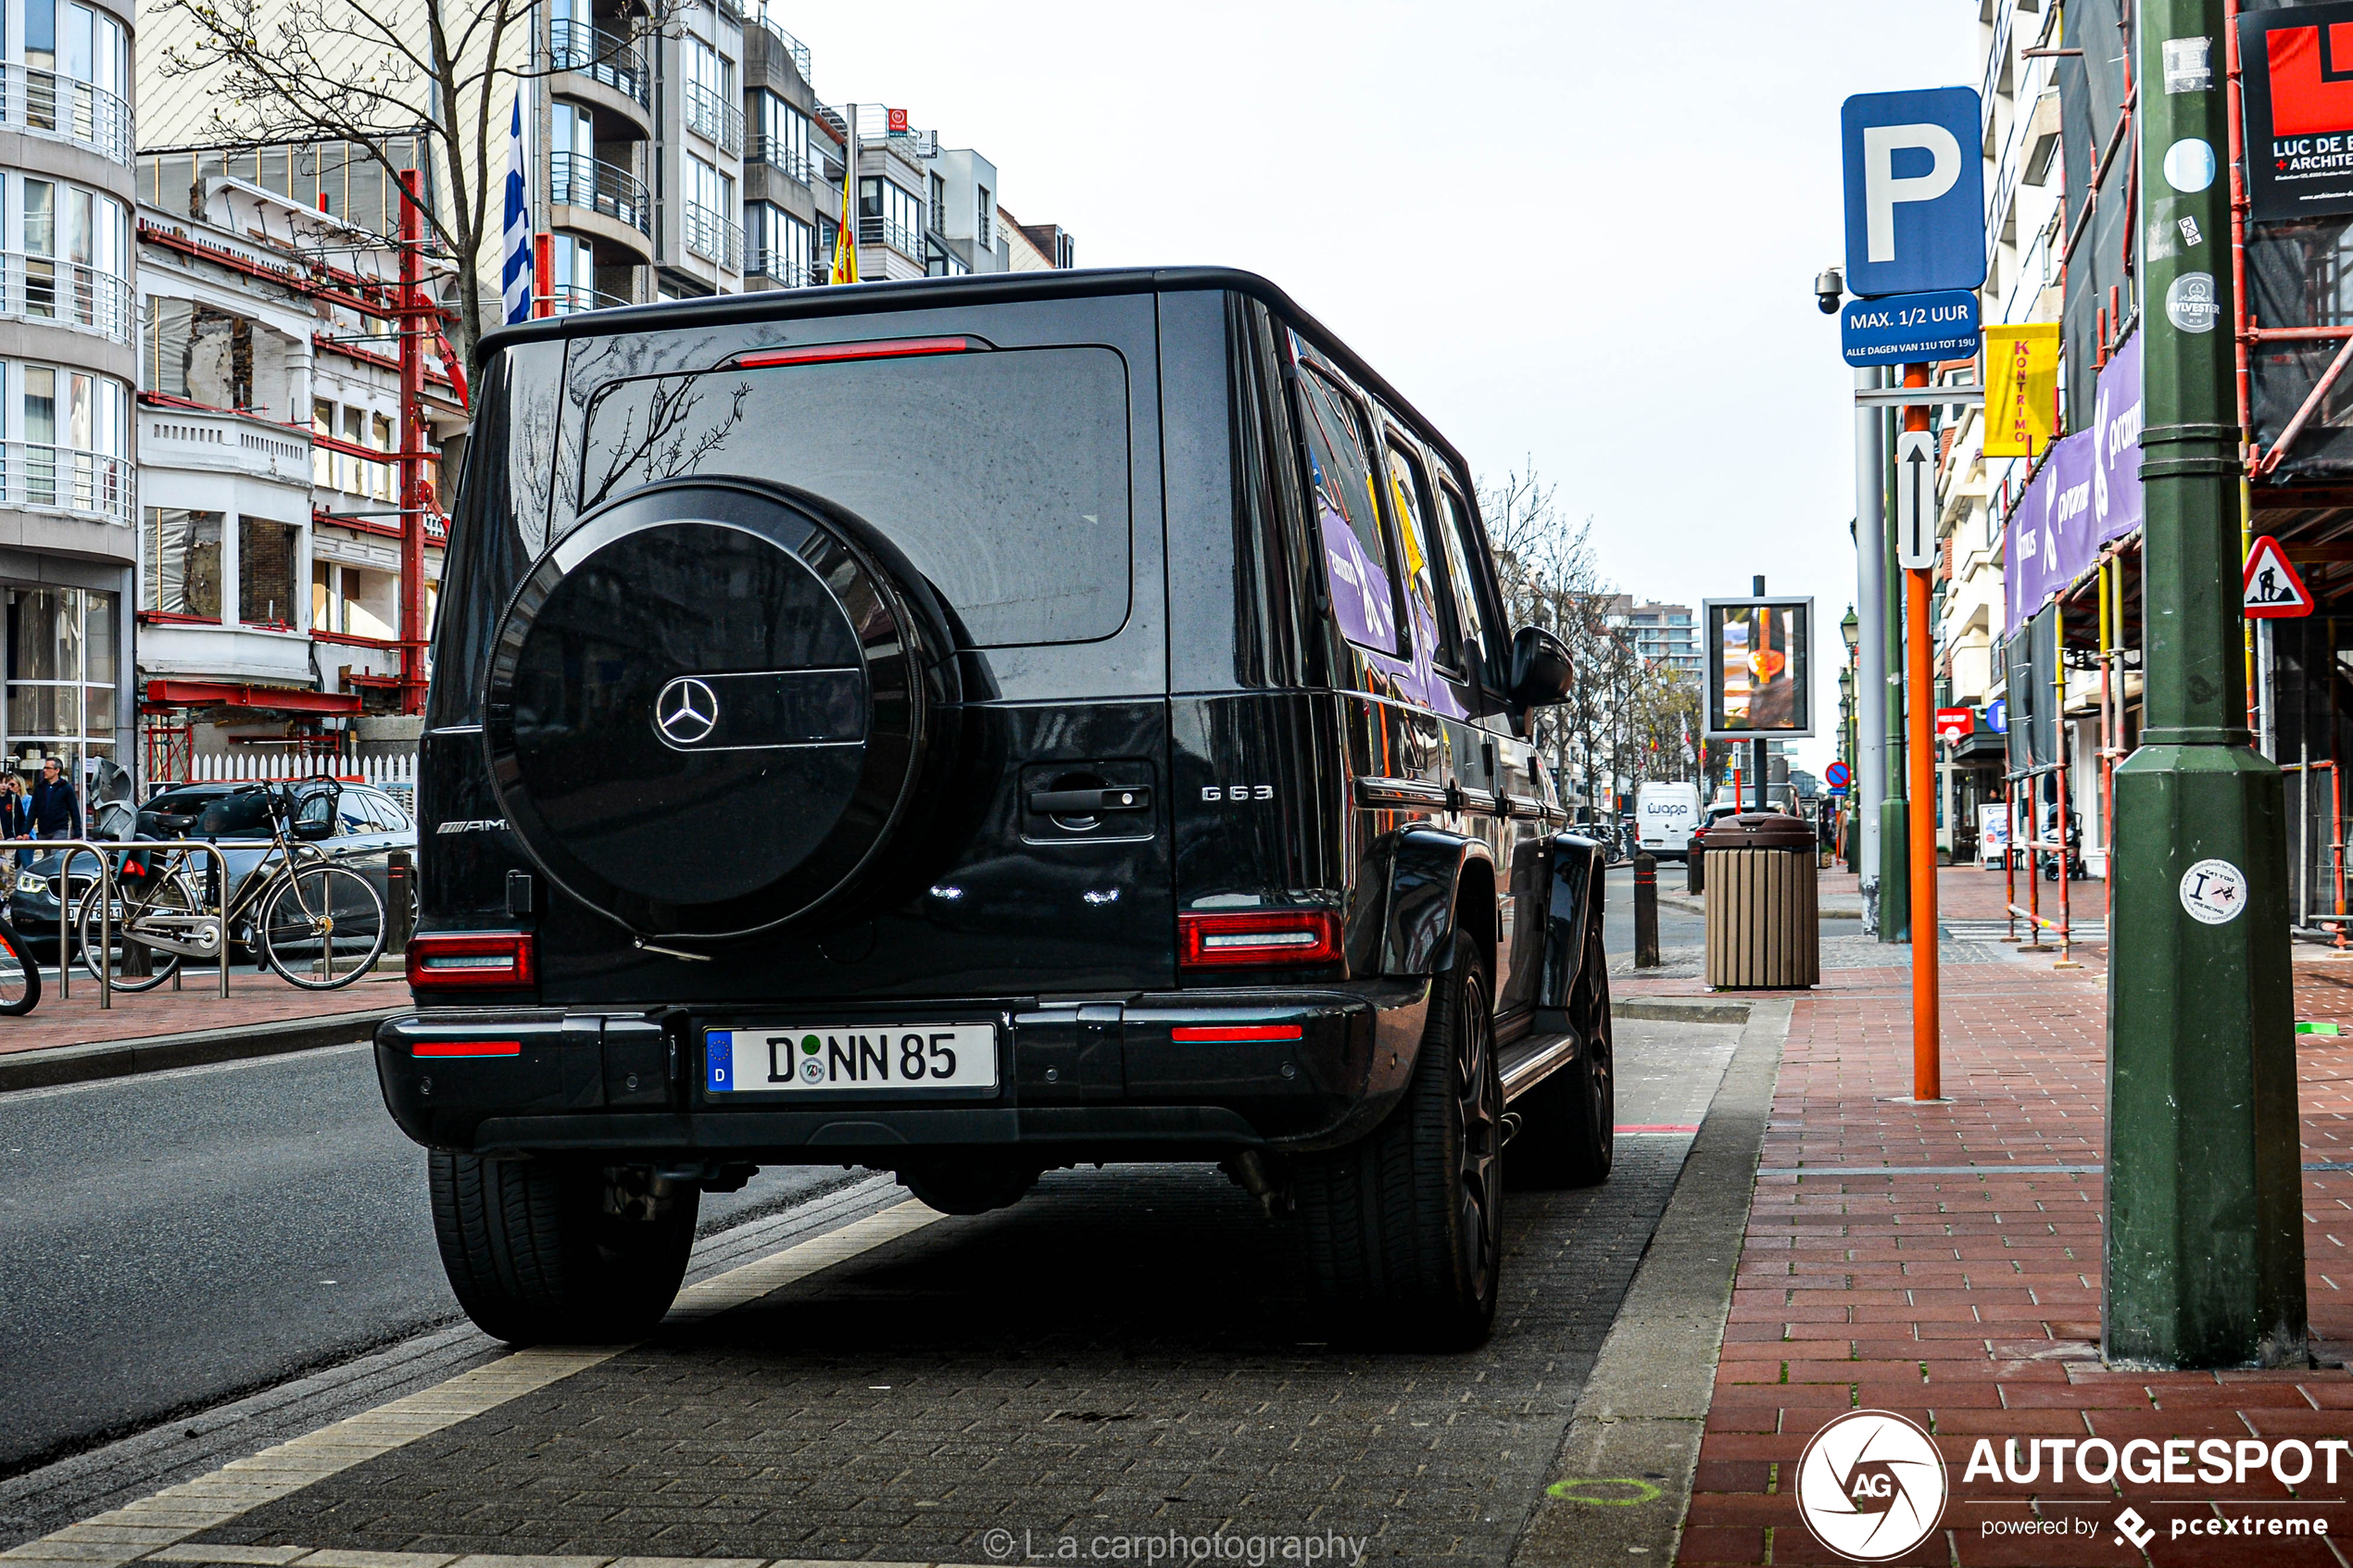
1895	830
2204	1265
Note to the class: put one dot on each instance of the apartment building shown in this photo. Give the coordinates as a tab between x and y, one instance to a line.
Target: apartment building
2025	218
1667	636
68	365
268	414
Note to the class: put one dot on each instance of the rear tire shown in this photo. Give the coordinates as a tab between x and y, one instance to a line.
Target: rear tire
535	1259
1403	1228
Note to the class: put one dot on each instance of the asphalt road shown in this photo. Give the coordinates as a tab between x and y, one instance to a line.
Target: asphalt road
1677	928
178	1239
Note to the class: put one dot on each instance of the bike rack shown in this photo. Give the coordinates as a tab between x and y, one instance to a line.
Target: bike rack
102	850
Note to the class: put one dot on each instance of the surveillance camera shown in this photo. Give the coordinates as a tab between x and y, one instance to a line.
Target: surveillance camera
1829	289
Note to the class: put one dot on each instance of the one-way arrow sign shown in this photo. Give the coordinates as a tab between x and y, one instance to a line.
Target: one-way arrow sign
2273	589
1916	500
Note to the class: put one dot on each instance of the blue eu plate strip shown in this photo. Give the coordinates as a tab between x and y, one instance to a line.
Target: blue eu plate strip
718	1059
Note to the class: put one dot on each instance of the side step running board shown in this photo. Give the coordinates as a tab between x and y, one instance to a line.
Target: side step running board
1532	1058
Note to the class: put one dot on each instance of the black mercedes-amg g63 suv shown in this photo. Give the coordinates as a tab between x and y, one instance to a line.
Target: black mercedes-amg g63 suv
966	728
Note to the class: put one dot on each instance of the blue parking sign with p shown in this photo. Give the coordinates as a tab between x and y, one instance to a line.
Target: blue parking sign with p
1915	191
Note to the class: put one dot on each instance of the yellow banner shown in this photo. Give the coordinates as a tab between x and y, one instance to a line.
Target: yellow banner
2021	388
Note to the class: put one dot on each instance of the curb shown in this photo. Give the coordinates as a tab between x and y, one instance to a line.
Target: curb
1646	1400
1695	907
50	1066
1681	1009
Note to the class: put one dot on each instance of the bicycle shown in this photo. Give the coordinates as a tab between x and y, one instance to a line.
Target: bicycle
20	975
314	921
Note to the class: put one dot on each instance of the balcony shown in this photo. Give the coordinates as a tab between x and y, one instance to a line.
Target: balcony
712	237
577	179
907	239
783	272
42	288
806	165
46	104
67	479
789	43
711	116
570	299
600	57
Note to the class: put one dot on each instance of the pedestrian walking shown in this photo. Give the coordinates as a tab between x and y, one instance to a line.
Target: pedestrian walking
16	821
57	811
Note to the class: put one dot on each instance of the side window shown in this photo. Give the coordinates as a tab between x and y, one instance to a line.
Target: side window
1433	627
1355	554
1462	577
387	813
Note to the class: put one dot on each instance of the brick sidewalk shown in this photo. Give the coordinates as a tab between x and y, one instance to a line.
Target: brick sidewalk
253	999
1970	1303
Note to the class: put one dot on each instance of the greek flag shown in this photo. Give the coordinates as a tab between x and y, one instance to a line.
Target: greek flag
516	281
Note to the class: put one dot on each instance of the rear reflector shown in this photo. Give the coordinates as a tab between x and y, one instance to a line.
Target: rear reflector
467	1048
818	354
1258	938
483	960
1227	1031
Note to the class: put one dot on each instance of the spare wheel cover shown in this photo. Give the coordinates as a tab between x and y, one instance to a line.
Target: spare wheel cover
706	708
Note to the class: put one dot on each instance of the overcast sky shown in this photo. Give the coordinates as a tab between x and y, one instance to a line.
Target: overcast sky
1576	235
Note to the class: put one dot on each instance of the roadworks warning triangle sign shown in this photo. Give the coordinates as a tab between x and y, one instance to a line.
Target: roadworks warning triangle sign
2273	589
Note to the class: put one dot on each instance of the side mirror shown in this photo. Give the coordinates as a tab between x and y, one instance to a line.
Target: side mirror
1541	674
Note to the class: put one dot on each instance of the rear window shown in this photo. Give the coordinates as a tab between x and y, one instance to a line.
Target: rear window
241	815
1002	475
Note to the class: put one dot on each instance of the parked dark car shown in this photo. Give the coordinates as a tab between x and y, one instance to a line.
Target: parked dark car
369	825
967	728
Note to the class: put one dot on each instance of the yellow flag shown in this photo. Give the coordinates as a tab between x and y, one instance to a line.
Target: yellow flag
846	237
2021	388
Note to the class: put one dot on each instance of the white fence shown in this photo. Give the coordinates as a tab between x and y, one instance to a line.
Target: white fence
395	776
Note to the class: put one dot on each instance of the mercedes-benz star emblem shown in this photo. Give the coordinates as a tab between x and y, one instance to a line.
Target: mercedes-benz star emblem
686	711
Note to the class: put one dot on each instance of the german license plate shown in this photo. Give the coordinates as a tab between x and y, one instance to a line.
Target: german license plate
905	1059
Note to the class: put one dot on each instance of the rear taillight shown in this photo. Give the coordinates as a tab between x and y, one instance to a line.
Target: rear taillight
470	960
1231	1034
1258	938
466	1048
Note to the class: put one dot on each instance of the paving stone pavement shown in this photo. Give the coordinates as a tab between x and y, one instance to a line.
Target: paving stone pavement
1127	1352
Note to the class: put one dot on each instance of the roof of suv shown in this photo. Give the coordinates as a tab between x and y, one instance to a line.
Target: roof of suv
990	288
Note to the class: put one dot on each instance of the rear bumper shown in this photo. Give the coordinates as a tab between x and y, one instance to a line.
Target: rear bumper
1130	1079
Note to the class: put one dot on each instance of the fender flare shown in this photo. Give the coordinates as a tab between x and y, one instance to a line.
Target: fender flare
1574	868
1431	871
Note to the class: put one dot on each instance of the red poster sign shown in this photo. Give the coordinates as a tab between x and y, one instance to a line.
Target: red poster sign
1956	724
2311	80
898	121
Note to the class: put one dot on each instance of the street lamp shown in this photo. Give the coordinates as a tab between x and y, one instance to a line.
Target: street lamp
1851	629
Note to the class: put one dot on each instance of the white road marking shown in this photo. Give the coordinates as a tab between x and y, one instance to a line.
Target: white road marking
156	1527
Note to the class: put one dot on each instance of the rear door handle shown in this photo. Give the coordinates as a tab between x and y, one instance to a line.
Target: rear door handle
1089	802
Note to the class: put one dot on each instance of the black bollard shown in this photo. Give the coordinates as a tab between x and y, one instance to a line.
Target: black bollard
400	868
1646	912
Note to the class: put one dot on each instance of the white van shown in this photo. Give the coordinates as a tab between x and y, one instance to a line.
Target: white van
1665	817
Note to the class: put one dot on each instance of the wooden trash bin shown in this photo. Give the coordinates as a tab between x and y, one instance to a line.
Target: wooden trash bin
1763	916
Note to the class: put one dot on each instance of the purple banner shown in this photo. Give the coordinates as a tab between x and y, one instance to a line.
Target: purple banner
2086	492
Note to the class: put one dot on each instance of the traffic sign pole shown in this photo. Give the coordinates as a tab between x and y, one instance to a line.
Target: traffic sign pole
1870	671
1927	1068
2204	1238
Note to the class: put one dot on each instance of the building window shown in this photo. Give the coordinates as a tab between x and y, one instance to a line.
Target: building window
711	231
266	571
180	562
61	673
711	104
984	221
69	433
783	247
889	214
199	354
783	137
